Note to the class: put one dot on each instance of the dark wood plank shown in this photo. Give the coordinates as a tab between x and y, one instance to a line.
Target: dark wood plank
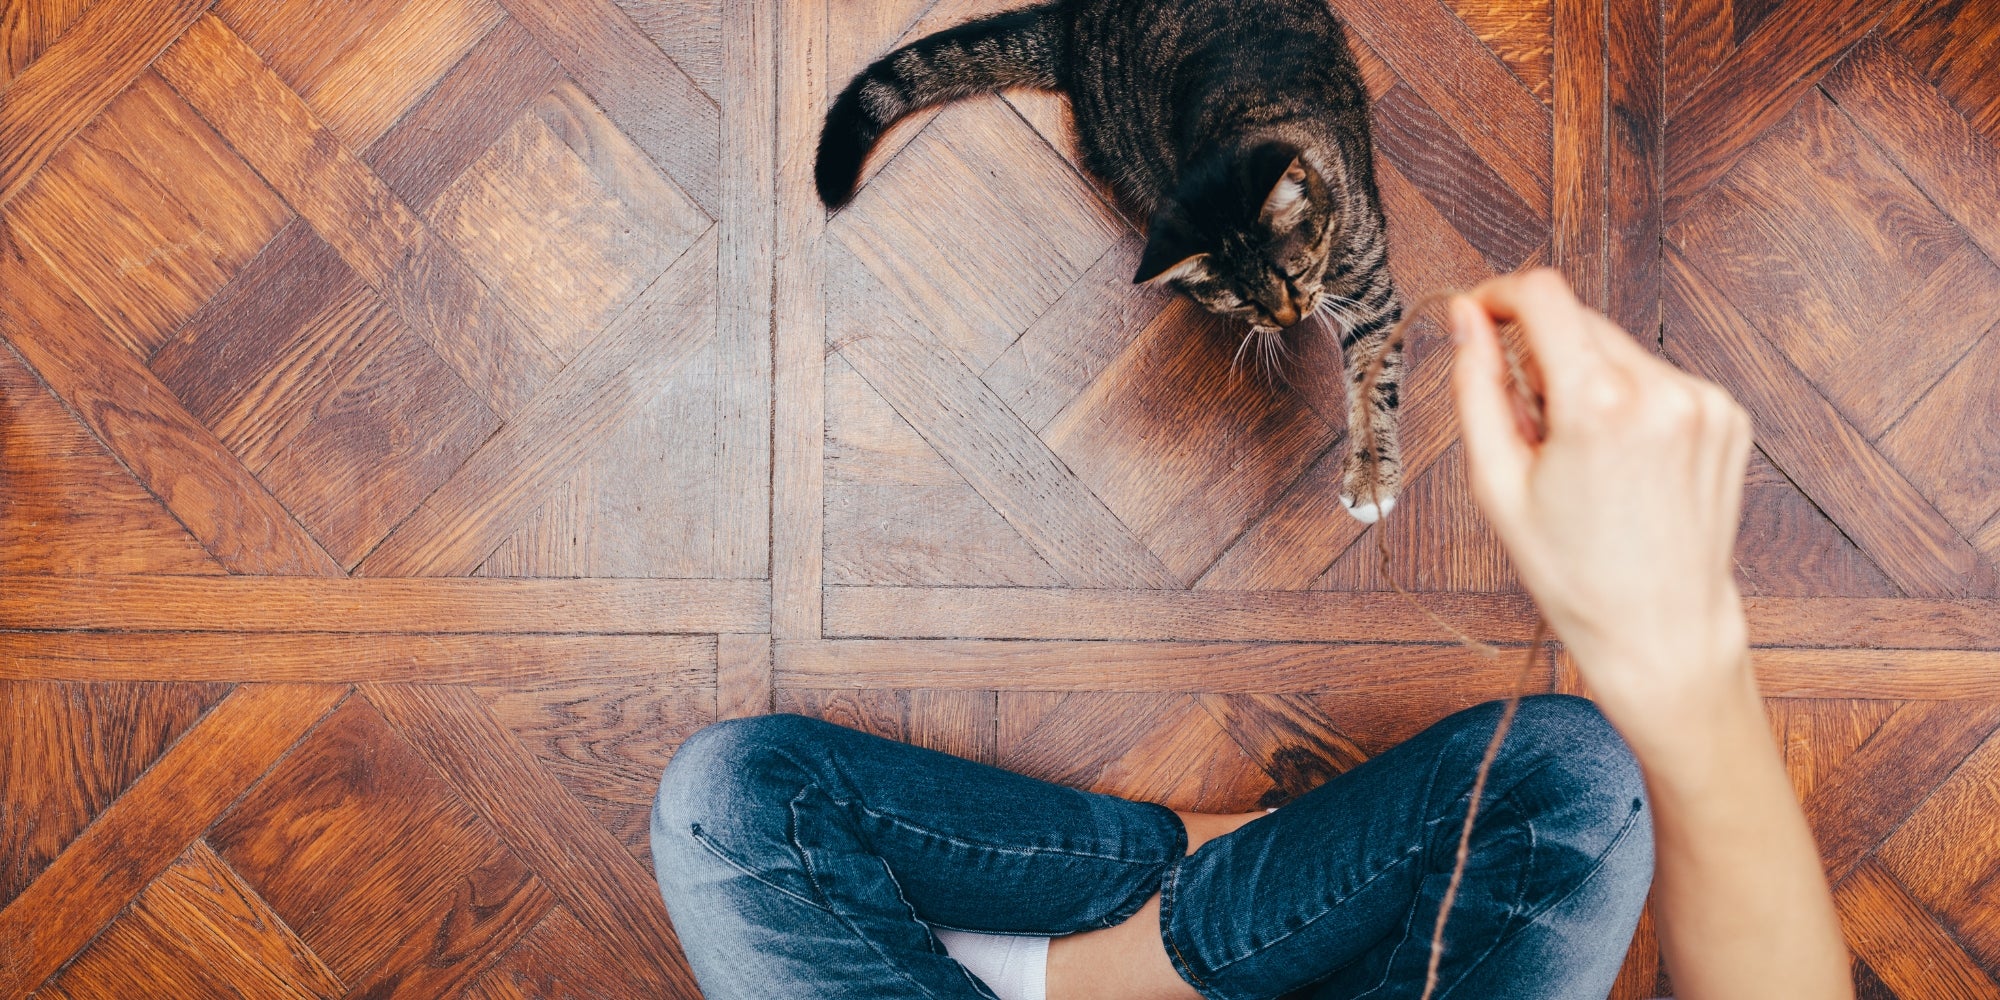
1885	673
76	77
1754	86
642	90
354	798
252	604
1153	746
1581	240
358	215
68	507
461	116
1467	85
1455	176
70	750
1001	457
580	861
141	834
1635	125
321	657
1927	138
1182	446
1870	500
137	419
472	513
179	233
1287	737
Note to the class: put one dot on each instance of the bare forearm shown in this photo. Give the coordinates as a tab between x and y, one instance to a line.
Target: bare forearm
1741	898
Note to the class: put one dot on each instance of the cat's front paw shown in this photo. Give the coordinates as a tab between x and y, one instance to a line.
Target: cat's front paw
1369	486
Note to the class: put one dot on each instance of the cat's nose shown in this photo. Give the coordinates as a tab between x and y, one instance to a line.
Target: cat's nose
1287	313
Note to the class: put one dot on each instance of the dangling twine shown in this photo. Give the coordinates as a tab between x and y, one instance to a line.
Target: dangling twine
1532	405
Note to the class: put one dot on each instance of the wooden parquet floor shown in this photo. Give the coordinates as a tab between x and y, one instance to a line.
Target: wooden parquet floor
418	416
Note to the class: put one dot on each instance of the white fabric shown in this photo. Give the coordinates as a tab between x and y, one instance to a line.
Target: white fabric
1014	968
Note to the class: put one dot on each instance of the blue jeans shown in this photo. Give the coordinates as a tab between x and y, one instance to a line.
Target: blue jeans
801	859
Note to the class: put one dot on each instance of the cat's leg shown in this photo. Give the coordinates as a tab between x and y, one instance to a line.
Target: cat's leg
1374	471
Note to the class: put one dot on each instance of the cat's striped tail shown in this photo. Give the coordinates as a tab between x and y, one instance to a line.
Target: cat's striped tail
1017	49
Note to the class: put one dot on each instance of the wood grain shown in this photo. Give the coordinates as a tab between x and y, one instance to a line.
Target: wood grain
1929	140
1865	799
742	675
252	604
198	930
1014	470
1110	665
799	331
1871	501
962	723
1049	613
136	418
1900	942
468	516
1467	85
72	749
586	868
77	76
650	98
141	834
333	658
358	215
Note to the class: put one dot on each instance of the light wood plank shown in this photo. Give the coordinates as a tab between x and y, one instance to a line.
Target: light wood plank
799	325
742	675
486	499
645	93
1051	613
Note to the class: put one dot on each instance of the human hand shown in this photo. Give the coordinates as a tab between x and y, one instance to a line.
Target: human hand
1620	511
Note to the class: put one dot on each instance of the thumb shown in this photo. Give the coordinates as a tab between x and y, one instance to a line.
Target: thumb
1497	456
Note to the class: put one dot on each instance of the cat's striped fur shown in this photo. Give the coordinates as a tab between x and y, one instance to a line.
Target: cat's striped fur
1237	128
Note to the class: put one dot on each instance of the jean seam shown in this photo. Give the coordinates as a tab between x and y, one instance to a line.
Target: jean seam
709	845
841	918
1169	889
979	845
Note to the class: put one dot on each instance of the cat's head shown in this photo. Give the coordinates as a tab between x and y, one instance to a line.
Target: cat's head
1245	235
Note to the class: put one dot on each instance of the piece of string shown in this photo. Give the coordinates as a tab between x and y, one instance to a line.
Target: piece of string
1530	404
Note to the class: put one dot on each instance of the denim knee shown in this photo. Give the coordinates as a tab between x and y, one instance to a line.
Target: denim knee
733	781
1570	778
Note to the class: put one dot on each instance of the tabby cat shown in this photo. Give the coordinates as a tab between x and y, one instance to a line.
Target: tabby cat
1237	128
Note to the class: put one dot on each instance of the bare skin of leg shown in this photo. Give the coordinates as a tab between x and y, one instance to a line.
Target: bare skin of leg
1129	961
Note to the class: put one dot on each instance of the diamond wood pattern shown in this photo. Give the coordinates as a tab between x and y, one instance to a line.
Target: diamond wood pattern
417	417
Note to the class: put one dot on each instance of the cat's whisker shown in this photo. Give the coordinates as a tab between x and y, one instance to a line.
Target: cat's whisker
1236	363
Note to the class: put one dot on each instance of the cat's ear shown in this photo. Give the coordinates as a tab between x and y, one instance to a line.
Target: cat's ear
1172	250
1286	204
